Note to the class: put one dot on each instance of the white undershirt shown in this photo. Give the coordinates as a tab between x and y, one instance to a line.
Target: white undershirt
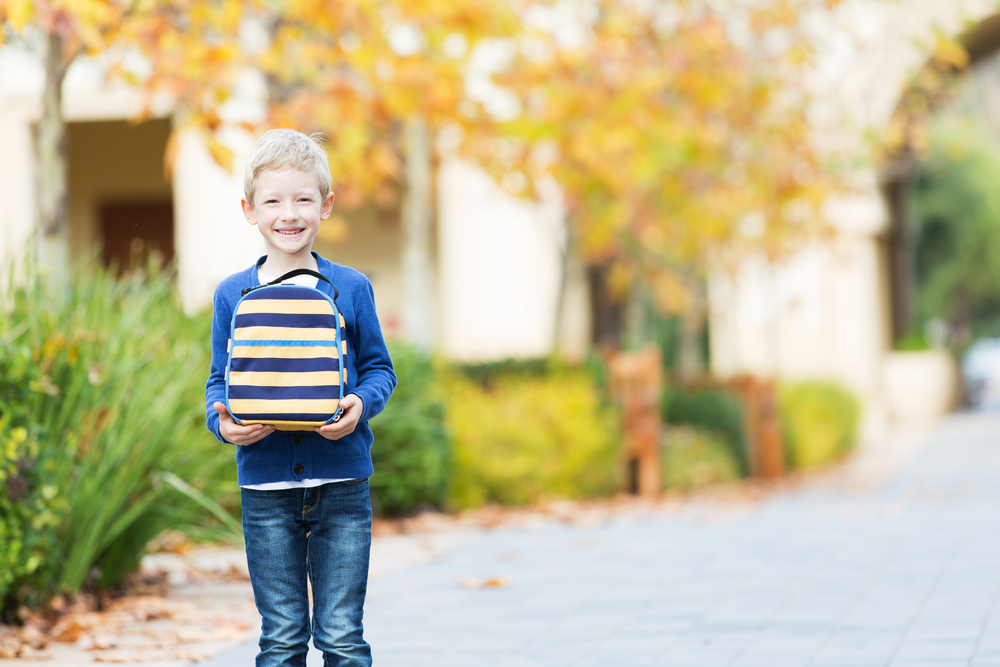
306	281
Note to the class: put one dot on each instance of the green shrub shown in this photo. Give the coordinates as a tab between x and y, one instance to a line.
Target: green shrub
694	457
102	424
487	372
709	409
30	508
412	450
819	422
524	439
914	341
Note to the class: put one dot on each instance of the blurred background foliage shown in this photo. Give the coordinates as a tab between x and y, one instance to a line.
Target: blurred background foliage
715	412
523	437
819	421
696	457
957	210
103	444
102	427
412	452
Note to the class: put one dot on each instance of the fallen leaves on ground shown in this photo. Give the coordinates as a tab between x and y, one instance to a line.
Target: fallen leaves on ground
477	583
129	629
26	642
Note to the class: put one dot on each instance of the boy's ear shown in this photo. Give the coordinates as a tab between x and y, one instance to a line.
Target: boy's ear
248	212
327	206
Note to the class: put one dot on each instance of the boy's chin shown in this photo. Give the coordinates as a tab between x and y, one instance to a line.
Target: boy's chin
289	249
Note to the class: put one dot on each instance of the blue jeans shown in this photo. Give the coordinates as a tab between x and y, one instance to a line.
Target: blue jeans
323	534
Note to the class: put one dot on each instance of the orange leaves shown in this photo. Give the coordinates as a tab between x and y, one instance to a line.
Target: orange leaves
221	153
932	86
950	53
668	127
18	13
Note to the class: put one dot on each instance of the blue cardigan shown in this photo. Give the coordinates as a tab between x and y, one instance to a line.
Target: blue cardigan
296	455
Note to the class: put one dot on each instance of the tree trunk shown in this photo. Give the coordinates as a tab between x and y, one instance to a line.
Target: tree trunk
418	295
564	258
51	145
689	343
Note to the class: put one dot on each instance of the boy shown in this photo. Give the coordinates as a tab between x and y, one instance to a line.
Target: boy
306	508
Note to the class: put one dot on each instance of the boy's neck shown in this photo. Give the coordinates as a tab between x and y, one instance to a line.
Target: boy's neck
281	263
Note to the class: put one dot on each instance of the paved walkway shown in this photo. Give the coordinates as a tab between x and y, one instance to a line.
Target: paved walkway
906	573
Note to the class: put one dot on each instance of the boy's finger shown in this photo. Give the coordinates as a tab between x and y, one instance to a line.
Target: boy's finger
255	432
221	409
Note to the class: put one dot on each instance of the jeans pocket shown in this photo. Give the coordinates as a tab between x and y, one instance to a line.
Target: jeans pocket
353	482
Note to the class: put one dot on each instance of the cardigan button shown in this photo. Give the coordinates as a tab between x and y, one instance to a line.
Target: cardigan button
297	439
298	468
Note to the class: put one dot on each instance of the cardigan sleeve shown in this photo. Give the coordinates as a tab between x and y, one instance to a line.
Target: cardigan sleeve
376	377
215	388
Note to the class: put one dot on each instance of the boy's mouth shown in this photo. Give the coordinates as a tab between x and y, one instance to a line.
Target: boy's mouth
289	232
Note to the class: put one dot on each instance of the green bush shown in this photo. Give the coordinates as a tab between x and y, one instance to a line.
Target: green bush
30	507
819	422
694	457
709	409
522	439
102	427
914	341
412	450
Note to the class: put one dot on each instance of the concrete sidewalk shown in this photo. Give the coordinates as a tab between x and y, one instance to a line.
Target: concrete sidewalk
905	573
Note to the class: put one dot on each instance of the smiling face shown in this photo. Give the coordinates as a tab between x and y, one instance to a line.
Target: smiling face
288	209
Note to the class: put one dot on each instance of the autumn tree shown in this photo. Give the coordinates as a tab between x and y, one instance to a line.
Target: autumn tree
677	130
377	78
60	31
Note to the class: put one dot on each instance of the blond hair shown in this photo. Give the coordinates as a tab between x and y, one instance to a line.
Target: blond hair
287	149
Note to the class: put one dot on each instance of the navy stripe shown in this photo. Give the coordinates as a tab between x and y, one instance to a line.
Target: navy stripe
304	417
286	292
286	343
272	365
286	320
237	391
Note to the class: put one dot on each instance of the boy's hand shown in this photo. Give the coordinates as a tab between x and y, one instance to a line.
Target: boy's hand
238	434
353	407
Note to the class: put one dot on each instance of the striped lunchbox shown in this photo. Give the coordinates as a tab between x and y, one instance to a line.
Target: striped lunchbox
286	356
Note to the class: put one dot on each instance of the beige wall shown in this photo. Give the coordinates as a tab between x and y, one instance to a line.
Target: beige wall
372	246
824	312
212	239
17	184
499	271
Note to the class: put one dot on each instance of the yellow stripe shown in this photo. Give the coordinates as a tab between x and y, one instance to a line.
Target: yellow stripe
343	324
343	344
283	406
288	425
284	333
286	307
284	352
262	379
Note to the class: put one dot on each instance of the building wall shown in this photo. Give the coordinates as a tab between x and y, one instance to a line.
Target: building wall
373	246
498	261
825	312
499	272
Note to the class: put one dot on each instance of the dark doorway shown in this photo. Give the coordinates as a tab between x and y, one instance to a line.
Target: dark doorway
132	233
120	199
